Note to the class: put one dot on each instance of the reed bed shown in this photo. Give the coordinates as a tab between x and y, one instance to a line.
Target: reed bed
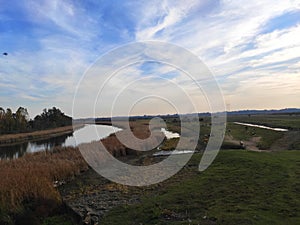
33	176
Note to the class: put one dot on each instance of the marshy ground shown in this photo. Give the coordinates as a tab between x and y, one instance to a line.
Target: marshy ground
240	187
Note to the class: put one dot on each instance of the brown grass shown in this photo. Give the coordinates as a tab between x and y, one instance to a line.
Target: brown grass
140	129
32	176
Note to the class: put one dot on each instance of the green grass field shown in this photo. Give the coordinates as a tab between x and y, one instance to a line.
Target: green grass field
283	121
240	187
240	132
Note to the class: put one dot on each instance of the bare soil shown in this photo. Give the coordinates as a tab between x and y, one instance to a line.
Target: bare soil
250	145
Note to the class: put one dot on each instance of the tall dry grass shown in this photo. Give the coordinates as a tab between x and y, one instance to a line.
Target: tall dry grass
32	176
139	129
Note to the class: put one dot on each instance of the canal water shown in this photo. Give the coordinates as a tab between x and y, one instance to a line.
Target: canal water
86	134
170	135
261	126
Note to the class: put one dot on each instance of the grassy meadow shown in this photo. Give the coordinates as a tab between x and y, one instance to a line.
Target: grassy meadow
288	121
240	187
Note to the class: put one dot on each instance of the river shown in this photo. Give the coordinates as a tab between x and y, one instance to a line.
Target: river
86	134
261	126
170	135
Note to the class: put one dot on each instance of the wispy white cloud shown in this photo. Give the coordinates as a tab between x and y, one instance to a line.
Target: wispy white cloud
161	16
58	41
66	15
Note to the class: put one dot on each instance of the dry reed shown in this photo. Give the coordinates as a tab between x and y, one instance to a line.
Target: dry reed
32	176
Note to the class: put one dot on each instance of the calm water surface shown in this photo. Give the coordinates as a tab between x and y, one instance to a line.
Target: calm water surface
86	134
261	126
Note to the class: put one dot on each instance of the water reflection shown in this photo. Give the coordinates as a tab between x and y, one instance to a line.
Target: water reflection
13	151
261	126
18	150
170	134
84	135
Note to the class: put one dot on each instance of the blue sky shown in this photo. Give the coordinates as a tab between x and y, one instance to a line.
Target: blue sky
252	48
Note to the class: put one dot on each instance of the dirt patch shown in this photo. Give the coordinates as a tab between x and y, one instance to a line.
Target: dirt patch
91	196
250	145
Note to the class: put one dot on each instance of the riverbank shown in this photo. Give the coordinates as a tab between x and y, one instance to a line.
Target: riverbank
8	139
131	136
28	185
240	187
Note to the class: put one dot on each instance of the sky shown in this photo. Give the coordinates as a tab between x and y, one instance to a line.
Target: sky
57	49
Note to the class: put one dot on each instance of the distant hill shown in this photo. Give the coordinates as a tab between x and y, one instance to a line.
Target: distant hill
202	114
270	111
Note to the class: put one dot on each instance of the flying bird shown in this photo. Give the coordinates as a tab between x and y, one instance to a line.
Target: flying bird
5	53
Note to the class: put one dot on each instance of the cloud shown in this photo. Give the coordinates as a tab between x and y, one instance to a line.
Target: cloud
163	16
65	15
263	90
52	43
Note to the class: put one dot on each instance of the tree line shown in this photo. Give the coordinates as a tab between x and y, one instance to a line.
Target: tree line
19	121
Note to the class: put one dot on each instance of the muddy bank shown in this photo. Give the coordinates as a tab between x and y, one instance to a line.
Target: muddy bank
8	139
90	196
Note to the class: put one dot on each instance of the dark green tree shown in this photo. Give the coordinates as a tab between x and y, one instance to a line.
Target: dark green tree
22	117
19	121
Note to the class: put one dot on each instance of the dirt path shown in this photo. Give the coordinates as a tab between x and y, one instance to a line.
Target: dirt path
250	145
